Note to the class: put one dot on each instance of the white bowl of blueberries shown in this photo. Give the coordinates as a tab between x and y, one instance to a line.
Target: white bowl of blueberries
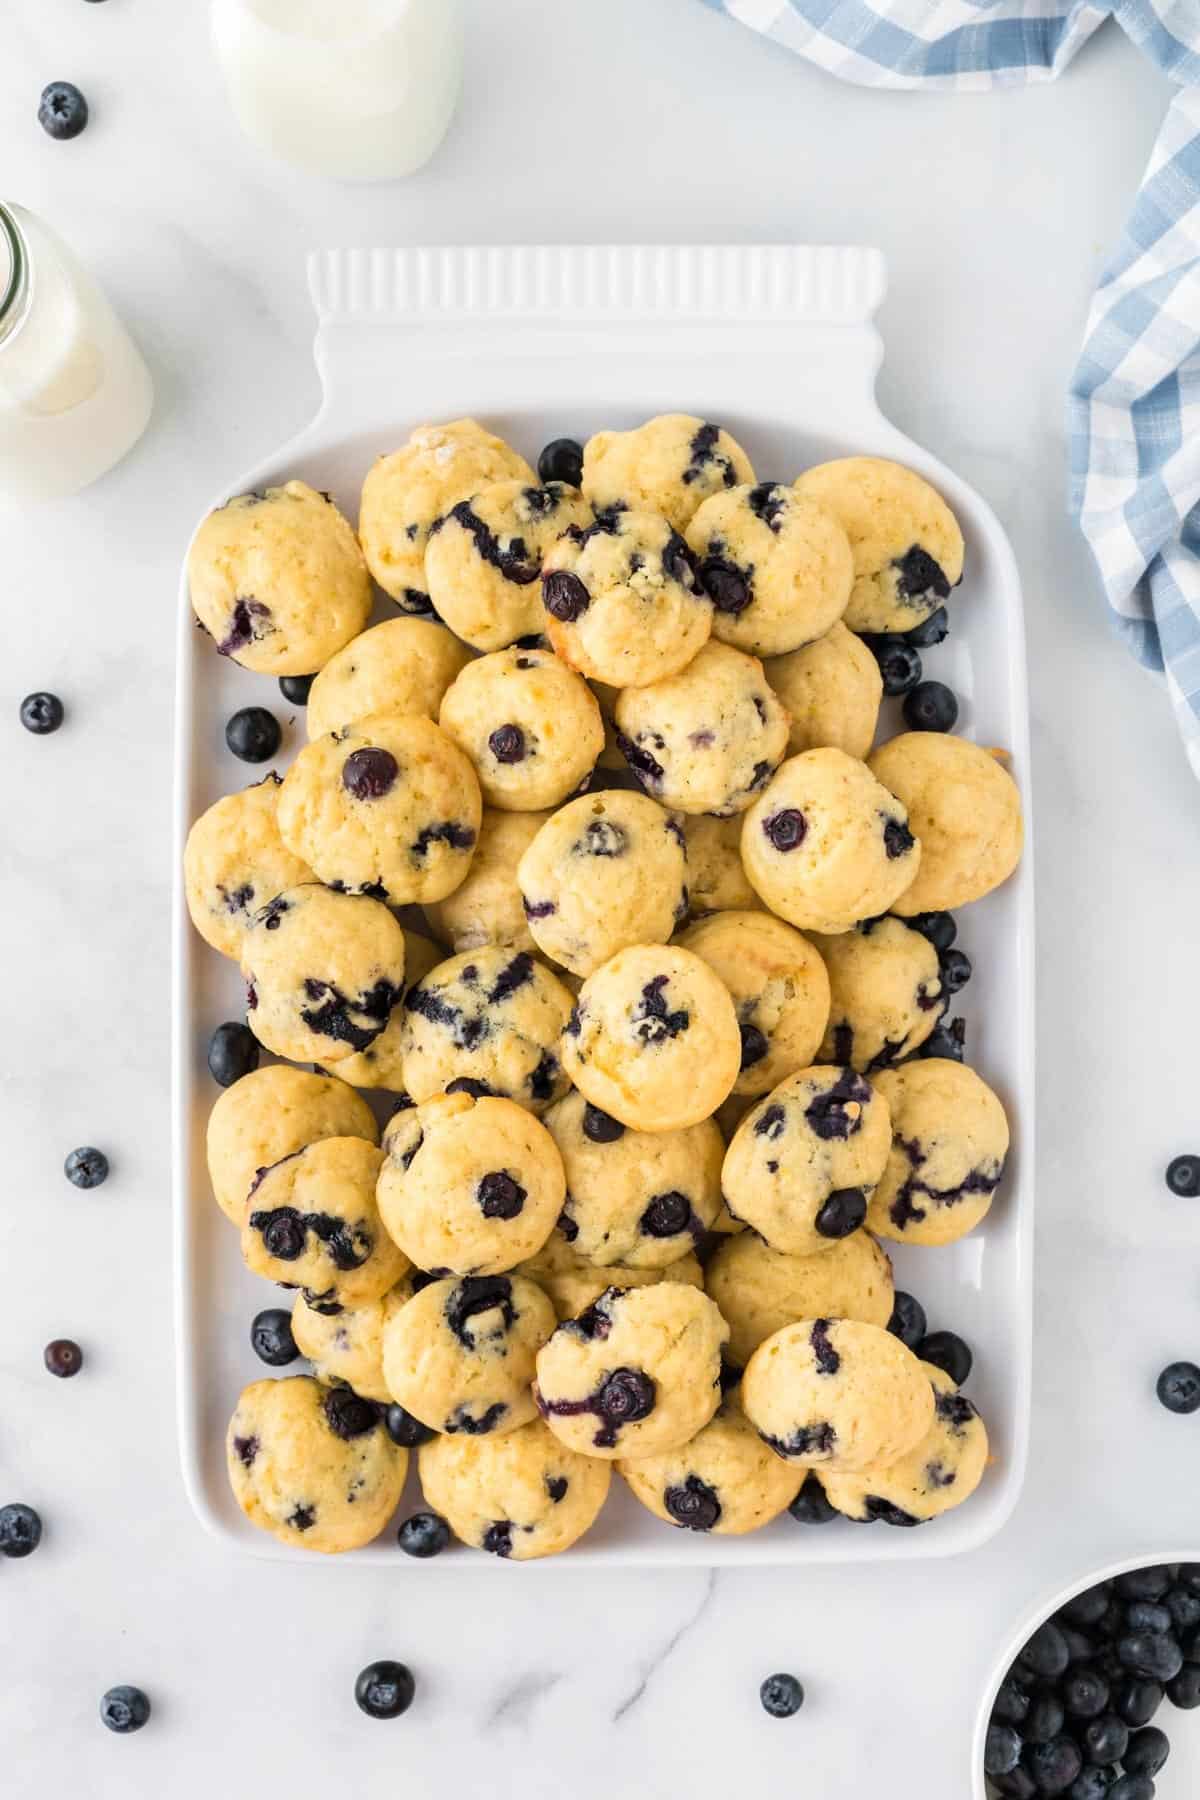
1082	1703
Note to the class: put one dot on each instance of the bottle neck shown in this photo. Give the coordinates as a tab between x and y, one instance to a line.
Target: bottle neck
14	274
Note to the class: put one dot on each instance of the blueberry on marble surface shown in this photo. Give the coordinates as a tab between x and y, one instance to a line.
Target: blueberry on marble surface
20	1529
782	1696
384	1690
253	734
233	1051
42	713
63	110
1178	1387
1183	1176
561	460
63	1358
271	1337
930	706
423	1534
124	1709
86	1167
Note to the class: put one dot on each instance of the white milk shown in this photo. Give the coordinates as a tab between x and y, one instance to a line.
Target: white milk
75	394
359	90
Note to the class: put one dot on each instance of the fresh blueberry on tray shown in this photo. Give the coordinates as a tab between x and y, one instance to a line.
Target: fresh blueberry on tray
124	1709
271	1337
955	969
1183	1176
947	1351
296	688
930	631
86	1167
899	663
42	713
781	1696
63	1358
253	734
939	927
404	1430
908	1321
561	460
20	1529
930	706
384	1690
949	1040
1178	1387
63	111
810	1507
423	1534
233	1051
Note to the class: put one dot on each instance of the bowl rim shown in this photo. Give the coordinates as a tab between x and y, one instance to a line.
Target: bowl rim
1037	1616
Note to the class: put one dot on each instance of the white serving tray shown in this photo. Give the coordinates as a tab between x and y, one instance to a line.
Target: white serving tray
778	344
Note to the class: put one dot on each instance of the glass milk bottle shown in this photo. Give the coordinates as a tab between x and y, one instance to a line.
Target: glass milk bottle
75	394
358	90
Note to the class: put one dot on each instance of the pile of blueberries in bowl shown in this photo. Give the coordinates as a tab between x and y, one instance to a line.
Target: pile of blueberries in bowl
1073	1714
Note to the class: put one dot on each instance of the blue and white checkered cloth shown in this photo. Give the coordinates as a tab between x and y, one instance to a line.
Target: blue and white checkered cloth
1134	405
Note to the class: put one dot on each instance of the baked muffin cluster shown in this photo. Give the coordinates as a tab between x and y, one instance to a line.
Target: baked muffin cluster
606	962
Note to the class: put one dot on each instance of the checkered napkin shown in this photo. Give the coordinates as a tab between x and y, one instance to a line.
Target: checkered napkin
1133	411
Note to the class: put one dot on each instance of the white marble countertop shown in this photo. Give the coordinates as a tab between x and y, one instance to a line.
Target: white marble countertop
621	119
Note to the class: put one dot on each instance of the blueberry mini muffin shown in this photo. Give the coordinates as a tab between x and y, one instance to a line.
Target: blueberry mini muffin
949	1142
837	1393
760	1290
486	907
460	1355
805	1160
705	740
278	580
622	601
907	546
827	844
779	989
311	1222
776	567
716	879
669	465
573	1285
483	561
234	862
521	1495
469	1186
401	666
313	1465
381	1064
487	1022
965	808
653	1040
269	1114
725	1480
530	727
644	1198
886	993
637	1373
324	973
409	489
389	806
346	1348
832	690
938	1473
608	870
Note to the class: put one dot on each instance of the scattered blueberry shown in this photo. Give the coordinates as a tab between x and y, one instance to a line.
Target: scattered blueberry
1055	1765
86	1168
253	734
781	1695
1147	1752
384	1690
124	1709
810	1507
63	111
403	1429
899	663
43	713
930	707
947	1039
233	1051
1001	1750
561	460
63	1357
271	1337
947	1351
908	1321
955	969
424	1534
1087	1608
940	928
1012	1702
930	631
1132	1787
1137	1700
1144	1584
1019	1785
1184	1607
1147	1615
1178	1387
1045	1721
296	688
1183	1173
1150	1653
1084	1693
1046	1653
1091	1783
20	1530
1183	1690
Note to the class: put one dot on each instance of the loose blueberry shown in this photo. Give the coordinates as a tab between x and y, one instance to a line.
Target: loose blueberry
296	688
1183	1690
939	927
930	631
1012	1703
1137	1700
86	1167
63	111
124	1709
1084	1694
507	744
404	1430
955	970
1147	1751
1080	1647
899	663
1183	1176
908	1321
1147	1615
63	1358
947	1351
781	1695
1132	1787
1087	1608
253	734
423	1534
1144	1584
810	1507
1178	1387
1054	1765
842	1213
1104	1739
1152	1654
384	1690
271	1337
930	706
1091	1783
369	773
561	460
42	713
946	1040
1019	1785
1046	1653
1001	1750
1046	1719
233	1051
1184	1608
20	1530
